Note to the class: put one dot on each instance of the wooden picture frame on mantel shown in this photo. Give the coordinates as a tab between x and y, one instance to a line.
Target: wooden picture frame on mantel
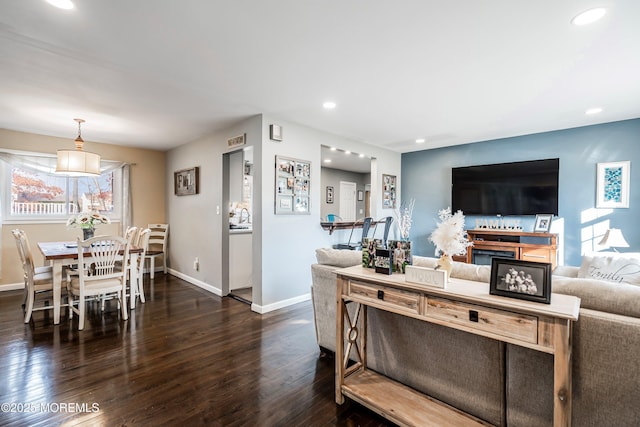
186	182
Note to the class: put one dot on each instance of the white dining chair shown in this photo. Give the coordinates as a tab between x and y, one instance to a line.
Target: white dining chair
157	246
137	289
37	280
99	275
131	234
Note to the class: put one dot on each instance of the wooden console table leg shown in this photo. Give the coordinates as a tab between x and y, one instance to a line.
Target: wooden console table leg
562	374
340	307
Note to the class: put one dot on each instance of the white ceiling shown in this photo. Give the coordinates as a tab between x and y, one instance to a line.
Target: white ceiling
161	73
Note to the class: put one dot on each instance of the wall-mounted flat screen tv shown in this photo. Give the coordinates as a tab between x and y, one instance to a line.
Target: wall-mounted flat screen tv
518	188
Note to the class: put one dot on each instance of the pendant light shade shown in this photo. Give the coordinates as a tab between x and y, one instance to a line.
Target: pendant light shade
78	162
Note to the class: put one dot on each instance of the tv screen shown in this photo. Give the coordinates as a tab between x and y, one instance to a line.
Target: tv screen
518	188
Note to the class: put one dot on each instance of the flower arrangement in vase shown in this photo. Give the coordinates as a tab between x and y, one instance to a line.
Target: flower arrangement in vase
87	222
404	216
449	237
402	248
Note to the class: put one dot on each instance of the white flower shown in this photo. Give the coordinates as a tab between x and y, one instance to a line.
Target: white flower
404	216
449	236
87	220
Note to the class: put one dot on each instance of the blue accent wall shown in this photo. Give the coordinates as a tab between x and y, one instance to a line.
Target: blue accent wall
426	176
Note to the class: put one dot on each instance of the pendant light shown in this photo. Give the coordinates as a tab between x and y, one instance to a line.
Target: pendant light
78	162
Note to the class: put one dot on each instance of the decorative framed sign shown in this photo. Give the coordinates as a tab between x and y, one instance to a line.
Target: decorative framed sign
388	191
612	186
237	141
329	194
186	182
360	195
543	223
521	279
292	189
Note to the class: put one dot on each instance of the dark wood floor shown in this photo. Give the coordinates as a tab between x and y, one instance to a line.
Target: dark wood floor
186	357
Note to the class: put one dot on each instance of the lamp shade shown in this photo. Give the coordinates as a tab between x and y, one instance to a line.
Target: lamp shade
78	163
614	239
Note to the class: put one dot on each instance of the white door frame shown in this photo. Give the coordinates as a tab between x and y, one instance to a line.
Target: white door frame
347	201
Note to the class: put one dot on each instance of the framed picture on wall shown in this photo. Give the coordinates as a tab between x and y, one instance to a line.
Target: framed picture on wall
329	194
389	191
185	182
612	186
292	186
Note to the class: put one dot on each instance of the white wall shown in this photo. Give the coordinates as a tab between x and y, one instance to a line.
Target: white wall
283	245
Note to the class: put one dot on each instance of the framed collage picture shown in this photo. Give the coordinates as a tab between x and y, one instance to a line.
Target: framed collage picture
389	191
292	190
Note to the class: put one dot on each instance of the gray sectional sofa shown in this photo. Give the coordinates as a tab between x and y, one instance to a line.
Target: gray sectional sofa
503	384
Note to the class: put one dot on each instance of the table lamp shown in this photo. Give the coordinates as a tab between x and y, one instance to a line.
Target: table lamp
613	238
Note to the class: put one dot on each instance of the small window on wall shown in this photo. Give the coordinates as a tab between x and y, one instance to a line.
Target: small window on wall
43	196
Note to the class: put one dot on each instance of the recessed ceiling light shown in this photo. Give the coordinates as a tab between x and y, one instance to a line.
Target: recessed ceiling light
347	152
61	4
593	110
420	140
589	16
329	105
361	156
333	148
327	160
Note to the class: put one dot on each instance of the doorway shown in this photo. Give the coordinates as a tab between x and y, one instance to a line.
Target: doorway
239	223
347	205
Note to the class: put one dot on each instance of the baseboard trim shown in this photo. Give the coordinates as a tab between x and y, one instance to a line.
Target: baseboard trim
198	283
262	309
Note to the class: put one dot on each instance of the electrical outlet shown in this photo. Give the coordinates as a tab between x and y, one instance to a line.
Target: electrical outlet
196	264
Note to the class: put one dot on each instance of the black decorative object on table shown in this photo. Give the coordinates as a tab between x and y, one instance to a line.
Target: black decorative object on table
521	279
384	260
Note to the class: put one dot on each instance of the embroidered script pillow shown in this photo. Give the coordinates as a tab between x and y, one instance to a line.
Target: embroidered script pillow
618	268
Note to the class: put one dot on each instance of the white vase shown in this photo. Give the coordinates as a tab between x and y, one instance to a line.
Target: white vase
446	264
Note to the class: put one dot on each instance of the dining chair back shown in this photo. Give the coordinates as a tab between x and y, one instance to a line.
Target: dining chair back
98	273
387	226
36	279
137	289
366	225
157	246
131	234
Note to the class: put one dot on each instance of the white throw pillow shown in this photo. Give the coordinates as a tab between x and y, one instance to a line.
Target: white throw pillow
611	267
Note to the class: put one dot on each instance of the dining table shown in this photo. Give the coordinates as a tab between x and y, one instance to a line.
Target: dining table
60	254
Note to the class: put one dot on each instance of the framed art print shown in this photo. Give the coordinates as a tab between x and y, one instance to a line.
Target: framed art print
543	223
388	191
521	279
185	182
612	184
293	186
329	194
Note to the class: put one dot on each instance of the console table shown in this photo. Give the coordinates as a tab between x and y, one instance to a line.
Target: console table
464	305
